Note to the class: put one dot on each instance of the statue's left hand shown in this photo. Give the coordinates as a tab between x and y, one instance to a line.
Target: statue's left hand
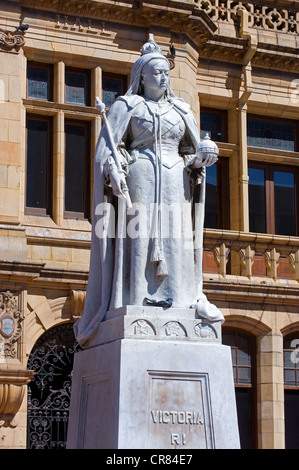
206	159
209	159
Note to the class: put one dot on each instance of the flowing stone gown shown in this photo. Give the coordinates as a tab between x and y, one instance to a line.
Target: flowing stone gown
158	142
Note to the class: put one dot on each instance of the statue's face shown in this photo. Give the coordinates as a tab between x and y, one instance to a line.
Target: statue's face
155	77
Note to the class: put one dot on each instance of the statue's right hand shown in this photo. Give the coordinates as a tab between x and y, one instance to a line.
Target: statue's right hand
118	181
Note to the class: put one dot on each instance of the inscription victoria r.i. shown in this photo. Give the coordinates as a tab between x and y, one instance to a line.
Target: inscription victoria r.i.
177	417
179	410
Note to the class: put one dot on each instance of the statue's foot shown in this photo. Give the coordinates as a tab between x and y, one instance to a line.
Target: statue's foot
207	310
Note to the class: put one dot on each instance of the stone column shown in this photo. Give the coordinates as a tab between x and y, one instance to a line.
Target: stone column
270	391
243	175
59	82
234	186
12	71
58	168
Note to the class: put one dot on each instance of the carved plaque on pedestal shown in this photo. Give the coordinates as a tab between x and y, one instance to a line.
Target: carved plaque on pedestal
180	411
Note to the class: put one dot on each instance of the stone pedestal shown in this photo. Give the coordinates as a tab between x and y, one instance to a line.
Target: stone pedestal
153	379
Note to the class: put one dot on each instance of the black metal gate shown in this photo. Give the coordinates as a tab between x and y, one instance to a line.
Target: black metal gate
49	392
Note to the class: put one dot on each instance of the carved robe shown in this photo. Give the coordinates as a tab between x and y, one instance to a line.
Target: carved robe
158	143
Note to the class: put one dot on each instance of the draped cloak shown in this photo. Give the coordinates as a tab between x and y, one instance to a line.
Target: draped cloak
110	276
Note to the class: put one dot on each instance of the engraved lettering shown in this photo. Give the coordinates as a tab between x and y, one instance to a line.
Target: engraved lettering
177	417
155	415
165	415
178	439
189	417
75	24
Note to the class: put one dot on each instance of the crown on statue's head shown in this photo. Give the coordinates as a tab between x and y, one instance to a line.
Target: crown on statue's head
150	46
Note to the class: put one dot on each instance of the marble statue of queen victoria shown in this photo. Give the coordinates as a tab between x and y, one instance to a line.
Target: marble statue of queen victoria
162	170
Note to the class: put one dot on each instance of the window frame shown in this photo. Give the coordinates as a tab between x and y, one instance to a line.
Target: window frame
222	194
85	215
279	120
252	387
289	390
49	68
290	337
269	170
221	112
47	211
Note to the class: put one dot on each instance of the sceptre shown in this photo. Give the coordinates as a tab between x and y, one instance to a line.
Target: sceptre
101	107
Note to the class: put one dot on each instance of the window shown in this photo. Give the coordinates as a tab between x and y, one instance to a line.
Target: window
291	392
217	197
39	160
77	87
214	123
76	170
50	156
272	199
243	360
113	86
271	133
39	81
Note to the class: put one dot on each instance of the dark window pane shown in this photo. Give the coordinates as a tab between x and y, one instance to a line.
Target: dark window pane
257	200
234	354
213	124
291	404
243	357
75	168
76	88
287	357
37	163
38	83
211	208
291	358
284	198
244	410
244	375
290	377
217	197
271	134
242	349
112	89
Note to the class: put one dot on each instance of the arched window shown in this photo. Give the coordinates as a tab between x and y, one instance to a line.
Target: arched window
291	390
50	389
243	360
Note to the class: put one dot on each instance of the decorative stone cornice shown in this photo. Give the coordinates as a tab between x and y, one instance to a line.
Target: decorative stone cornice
281	16
177	16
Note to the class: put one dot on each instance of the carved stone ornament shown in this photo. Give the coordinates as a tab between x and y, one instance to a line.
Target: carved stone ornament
12	389
10	323
10	40
204	330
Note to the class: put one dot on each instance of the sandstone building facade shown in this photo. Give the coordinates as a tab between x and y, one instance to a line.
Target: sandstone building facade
236	64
